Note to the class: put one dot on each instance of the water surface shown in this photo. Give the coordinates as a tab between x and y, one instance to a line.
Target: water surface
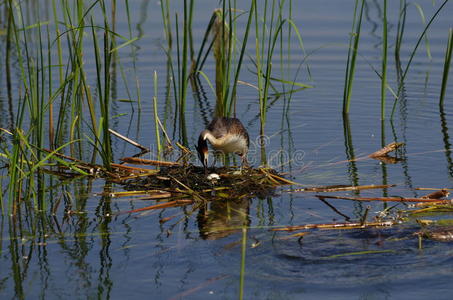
90	254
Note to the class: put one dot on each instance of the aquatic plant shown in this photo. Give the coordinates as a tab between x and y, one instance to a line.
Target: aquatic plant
49	116
447	63
352	54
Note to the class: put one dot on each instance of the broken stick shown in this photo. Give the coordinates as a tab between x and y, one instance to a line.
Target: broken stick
387	149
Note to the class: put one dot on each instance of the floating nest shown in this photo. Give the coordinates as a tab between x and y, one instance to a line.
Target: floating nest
225	182
172	180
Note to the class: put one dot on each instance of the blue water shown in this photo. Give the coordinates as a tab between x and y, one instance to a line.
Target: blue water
91	255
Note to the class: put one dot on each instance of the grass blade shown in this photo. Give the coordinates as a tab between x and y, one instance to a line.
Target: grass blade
447	63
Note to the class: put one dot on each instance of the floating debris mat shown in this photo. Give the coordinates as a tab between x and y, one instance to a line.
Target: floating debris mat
218	182
173	179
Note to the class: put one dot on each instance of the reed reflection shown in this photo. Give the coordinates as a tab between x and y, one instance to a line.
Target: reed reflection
104	213
352	167
446	140
349	149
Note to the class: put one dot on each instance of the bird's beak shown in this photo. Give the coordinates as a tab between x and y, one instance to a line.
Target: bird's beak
202	149
205	160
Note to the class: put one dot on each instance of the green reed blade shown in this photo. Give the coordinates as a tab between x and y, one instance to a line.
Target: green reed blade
241	55
352	56
198	62
447	63
400	28
156	117
422	16
411	57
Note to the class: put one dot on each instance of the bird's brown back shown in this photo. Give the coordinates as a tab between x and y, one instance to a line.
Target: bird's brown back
221	126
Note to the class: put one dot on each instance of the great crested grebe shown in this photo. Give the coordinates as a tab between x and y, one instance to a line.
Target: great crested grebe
226	135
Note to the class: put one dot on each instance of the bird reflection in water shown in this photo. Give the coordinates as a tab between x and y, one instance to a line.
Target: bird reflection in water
218	219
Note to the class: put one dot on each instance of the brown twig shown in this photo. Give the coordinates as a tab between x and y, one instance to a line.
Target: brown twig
339	188
383	199
65	156
346	225
440	206
387	149
437	194
164	132
129	168
156	196
183	148
282	180
142	161
130	193
126	139
166	219
174	203
298	235
432	189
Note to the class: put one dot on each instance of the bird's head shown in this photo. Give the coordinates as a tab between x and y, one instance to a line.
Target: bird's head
202	149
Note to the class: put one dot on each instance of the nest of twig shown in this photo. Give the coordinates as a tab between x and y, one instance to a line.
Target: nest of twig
183	183
225	182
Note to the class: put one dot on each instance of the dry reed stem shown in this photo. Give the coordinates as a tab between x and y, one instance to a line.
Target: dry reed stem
123	167
445	206
126	139
174	203
142	161
383	199
298	235
157	196
352	225
339	188
129	193
437	194
93	168
387	149
65	156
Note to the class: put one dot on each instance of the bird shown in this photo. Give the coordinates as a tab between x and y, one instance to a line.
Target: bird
226	135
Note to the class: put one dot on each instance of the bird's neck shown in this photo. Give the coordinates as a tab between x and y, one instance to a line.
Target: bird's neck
207	135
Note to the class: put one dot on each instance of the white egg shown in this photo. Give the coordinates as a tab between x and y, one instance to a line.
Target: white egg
213	176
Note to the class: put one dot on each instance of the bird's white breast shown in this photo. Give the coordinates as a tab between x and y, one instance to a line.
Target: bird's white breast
231	144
